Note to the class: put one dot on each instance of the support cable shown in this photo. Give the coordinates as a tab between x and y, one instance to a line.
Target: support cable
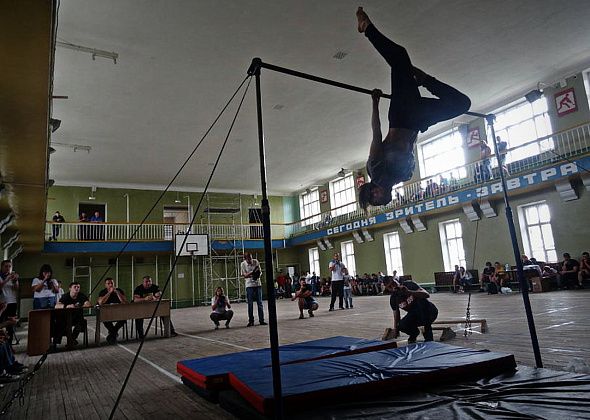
138	227
177	256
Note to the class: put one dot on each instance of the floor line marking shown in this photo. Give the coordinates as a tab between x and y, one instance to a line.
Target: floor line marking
149	362
557	325
215	341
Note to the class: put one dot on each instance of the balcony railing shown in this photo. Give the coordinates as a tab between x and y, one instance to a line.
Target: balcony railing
553	148
154	231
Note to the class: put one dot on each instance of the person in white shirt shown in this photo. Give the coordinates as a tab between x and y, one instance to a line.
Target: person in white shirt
9	285
251	272
220	306
336	266
44	288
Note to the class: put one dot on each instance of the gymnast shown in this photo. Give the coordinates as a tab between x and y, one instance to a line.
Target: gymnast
391	159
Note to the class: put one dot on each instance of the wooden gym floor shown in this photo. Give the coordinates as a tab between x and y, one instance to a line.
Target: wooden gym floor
83	384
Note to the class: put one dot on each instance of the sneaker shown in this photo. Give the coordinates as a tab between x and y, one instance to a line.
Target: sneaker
250	324
301	316
330	310
226	325
217	327
351	306
263	323
173	334
310	312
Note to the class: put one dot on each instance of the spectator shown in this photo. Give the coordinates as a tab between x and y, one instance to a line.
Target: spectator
413	299
57	219
73	299
251	272
347	289
83	228
465	279
60	291
281	284
9	286
486	275
9	367
502	150
549	273
221	307
584	272
304	299
568	273
147	291
336	266
288	286
97	231
314	282
44	288
500	275
486	166
456	278
111	295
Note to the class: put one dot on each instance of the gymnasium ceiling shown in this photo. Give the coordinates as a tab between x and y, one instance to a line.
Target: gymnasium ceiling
180	61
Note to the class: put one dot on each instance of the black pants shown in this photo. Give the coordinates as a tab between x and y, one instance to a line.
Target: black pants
113	329
226	316
337	290
10	311
407	108
422	315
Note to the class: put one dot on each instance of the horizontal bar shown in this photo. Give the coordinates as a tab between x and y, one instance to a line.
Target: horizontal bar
258	63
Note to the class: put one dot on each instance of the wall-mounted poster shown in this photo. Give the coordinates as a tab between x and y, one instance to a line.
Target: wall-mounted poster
565	102
473	137
323	196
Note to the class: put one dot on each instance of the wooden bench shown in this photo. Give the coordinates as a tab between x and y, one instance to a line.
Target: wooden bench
482	322
444	279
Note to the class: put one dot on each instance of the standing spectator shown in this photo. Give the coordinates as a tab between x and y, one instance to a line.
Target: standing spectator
148	291
486	165
304	299
83	228
314	281
73	299
97	231
9	286
44	288
568	274
347	289
221	308
56	226
502	150
111	295
251	272
413	299
336	268
584	272
456	278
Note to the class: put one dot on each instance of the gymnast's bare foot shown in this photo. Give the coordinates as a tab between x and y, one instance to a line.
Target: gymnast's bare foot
363	20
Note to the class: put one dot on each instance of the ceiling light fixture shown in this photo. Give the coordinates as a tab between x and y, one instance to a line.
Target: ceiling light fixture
74	147
178	200
93	190
54	124
342	172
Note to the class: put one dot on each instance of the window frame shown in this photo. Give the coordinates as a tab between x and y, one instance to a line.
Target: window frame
350	190
307	211
389	258
348	259
448	259
525	226
454	137
314	264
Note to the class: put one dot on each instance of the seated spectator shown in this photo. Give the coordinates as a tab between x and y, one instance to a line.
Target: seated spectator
500	276
281	284
221	307
147	291
525	260
44	288
10	369
584	272
354	286
73	299
465	279
9	286
568	273
325	288
304	299
486	275
109	296
456	278
549	273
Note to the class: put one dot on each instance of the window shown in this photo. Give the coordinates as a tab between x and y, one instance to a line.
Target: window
393	253
347	253
342	196
309	206
451	240
314	261
442	153
537	236
521	123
